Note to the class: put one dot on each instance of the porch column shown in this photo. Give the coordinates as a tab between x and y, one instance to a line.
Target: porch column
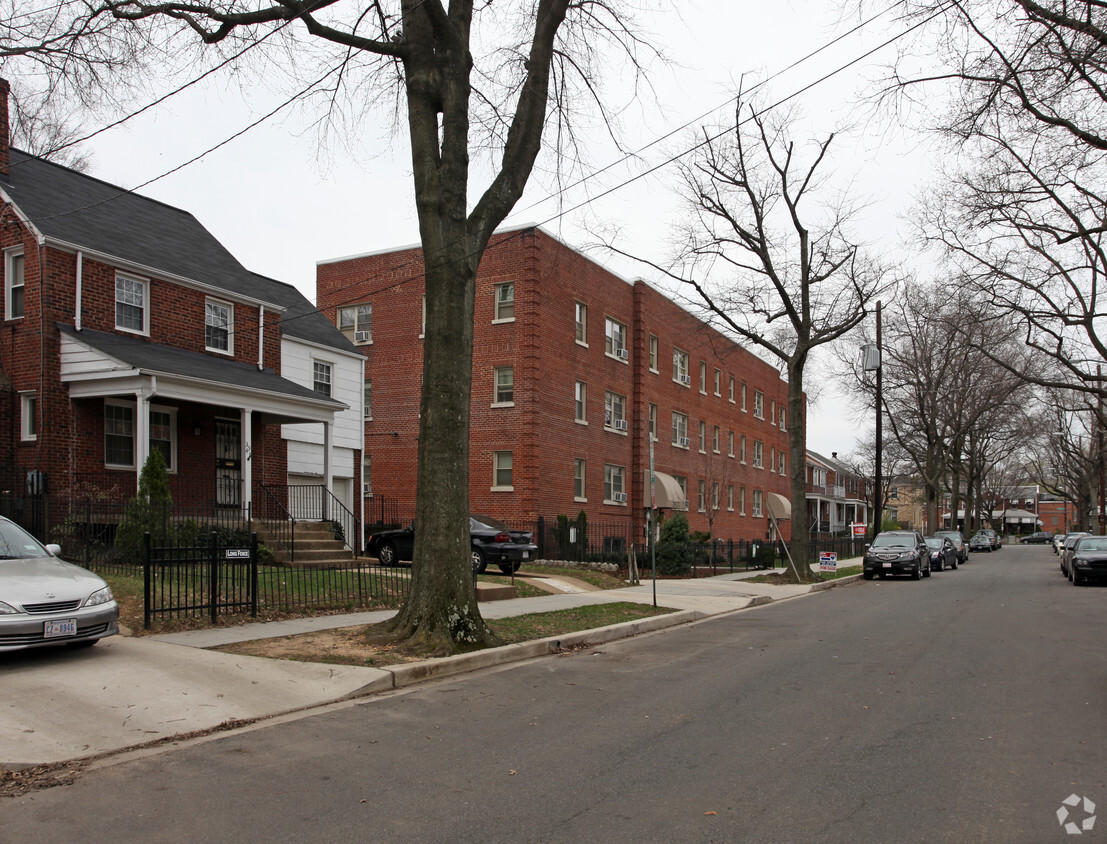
246	419
142	430
328	467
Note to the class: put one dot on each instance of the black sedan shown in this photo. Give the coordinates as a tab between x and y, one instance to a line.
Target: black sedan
897	552
491	542
942	553
1039	537
980	542
1088	559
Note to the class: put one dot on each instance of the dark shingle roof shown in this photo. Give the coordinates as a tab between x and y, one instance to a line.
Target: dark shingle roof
157	358
87	213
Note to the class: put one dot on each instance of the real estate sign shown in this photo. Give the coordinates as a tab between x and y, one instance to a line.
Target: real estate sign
828	561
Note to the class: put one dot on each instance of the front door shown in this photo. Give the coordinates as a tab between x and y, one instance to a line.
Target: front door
228	463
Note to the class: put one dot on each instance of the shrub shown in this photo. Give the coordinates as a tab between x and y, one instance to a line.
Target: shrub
149	511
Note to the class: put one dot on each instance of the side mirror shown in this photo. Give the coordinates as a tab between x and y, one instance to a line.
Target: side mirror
54	549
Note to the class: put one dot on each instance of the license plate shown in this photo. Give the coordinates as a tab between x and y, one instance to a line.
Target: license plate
526	555
887	565
65	627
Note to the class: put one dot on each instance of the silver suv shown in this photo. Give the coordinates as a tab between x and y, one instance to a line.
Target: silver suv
897	552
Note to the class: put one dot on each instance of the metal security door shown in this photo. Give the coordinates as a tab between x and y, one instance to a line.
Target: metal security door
228	463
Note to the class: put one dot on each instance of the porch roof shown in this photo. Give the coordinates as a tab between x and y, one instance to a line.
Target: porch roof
99	364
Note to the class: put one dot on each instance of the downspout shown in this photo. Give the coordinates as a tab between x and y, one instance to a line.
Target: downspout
261	338
79	295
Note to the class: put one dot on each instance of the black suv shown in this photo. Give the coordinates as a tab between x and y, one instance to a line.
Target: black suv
897	552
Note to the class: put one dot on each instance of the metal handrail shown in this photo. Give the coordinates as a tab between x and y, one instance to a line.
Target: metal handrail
281	526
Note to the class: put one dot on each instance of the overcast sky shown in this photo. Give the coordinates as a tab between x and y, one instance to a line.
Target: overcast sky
280	204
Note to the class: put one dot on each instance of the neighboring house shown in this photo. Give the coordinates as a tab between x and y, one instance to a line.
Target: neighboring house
128	327
575	373
836	495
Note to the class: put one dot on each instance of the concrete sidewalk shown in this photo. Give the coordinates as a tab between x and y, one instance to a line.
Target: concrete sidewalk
60	705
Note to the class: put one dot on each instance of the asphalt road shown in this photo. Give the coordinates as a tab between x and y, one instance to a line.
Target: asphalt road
965	707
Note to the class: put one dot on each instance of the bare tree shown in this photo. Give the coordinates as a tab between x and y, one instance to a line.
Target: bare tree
479	79
771	265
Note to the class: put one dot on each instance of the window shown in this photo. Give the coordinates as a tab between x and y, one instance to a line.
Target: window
783	427
758	454
703	437
702	486
505	302
715	439
780	463
582	398
614	412
703	377
757	496
130	304
13	283
743	398
718	383
218	319
367	409
321	378
772	412
742	449
501	471
119	434
715	495
730	389
682	482
423	325
582	323
680	367
615	342
614	487
367	476
163	435
505	386
653	353
680	430
742	501
772	459
758	404
730	498
28	416
578	480
356	322
653	422
730	443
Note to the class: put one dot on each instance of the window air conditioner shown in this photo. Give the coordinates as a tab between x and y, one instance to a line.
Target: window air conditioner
620	497
620	424
367	490
686	380
623	354
683	441
362	336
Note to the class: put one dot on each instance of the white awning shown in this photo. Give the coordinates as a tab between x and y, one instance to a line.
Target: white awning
778	505
667	494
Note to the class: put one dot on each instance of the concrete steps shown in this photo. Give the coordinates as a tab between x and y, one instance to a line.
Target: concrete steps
314	545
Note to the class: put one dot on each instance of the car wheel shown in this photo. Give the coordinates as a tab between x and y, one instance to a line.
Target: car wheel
387	554
953	565
479	563
926	572
509	568
1076	579
916	574
868	575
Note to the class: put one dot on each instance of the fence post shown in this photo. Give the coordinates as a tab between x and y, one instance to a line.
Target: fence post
214	574
541	532
253	575
88	529
146	585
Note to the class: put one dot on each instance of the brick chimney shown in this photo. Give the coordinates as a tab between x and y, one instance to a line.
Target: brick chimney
5	137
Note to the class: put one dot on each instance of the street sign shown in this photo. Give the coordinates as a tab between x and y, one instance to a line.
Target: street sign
828	561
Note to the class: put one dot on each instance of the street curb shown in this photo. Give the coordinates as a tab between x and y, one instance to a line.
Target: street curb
839	581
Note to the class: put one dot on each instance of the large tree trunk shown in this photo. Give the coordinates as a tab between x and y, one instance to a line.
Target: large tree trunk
797	456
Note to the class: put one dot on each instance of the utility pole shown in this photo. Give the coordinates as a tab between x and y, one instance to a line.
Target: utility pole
871	361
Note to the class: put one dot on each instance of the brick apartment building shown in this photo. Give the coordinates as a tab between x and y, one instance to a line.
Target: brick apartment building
573	368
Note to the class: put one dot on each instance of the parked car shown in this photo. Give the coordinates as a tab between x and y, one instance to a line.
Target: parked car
897	552
1039	537
942	553
959	543
1088	560
1066	551
980	542
993	537
491	541
46	601
1059	541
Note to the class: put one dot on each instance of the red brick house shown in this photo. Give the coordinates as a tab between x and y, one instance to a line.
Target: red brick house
574	371
837	497
127	328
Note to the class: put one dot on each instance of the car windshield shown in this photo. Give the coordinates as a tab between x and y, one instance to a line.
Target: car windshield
952	537
893	540
17	544
934	542
1091	543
